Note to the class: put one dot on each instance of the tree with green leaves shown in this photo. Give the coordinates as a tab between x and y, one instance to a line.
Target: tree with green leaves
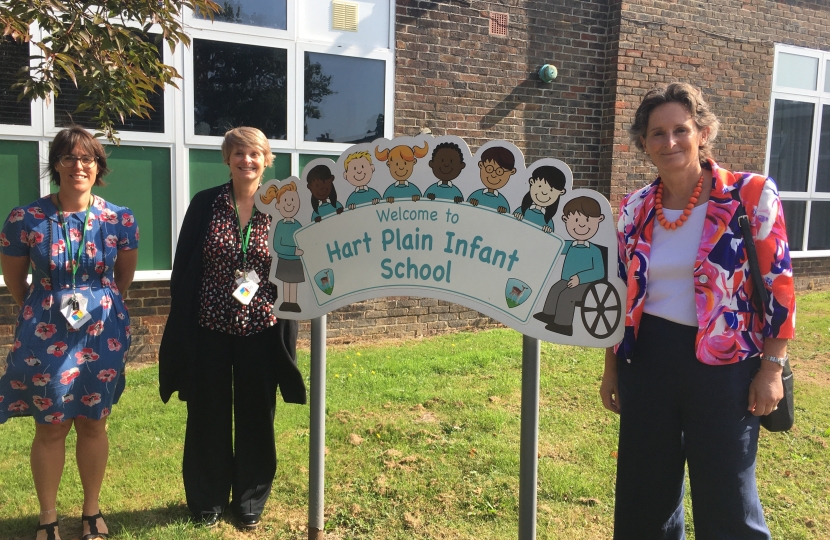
103	48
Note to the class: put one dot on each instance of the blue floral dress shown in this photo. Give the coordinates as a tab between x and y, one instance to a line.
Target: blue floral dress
54	372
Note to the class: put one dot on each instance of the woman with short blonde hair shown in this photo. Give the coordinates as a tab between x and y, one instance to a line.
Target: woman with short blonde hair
223	349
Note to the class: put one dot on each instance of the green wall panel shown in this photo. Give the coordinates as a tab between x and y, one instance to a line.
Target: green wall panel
19	182
140	180
208	170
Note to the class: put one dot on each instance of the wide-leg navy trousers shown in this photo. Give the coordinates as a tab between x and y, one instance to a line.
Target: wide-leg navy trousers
676	410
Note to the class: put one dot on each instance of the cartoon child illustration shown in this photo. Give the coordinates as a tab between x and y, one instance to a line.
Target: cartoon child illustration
496	166
401	161
447	163
289	265
547	185
583	264
359	170
323	195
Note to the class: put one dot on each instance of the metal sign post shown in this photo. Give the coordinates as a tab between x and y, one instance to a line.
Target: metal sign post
528	452
317	428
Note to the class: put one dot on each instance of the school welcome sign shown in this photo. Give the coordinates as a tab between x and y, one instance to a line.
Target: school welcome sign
422	216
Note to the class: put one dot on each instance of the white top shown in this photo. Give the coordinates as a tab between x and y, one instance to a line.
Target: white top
670	292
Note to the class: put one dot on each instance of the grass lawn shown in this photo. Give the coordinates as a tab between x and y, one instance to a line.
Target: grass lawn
423	442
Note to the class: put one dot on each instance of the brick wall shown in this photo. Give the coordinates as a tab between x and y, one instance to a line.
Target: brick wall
8	316
726	47
398	317
149	305
454	78
390	318
811	274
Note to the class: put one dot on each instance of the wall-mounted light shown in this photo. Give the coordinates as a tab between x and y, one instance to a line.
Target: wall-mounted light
547	73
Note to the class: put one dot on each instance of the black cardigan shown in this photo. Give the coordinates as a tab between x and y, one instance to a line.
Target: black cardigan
176	353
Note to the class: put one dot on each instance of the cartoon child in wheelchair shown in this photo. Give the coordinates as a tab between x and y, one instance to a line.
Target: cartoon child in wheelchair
584	278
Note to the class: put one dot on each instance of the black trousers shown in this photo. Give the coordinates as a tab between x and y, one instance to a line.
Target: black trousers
229	442
675	411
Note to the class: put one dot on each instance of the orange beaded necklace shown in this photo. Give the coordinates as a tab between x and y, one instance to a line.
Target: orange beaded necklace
658	204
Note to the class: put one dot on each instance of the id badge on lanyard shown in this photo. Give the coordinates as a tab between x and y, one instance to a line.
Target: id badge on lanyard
246	287
73	305
247	281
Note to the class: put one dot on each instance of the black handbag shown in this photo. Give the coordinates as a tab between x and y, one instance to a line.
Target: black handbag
783	417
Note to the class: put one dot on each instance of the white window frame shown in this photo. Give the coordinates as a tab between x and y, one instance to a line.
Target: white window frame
178	132
208	35
819	98
314	147
194	24
34	129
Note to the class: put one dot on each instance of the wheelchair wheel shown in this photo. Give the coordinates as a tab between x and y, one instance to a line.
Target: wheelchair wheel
601	309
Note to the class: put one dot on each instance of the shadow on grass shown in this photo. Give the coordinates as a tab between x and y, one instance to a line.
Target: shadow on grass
136	522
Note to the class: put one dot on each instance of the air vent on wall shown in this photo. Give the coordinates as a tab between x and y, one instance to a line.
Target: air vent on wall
344	16
498	24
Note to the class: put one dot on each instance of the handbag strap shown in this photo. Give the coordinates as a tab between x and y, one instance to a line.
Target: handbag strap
759	292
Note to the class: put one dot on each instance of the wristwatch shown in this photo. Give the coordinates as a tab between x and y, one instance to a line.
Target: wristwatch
775	359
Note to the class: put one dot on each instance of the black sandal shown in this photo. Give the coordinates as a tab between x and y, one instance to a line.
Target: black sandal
93	527
49	528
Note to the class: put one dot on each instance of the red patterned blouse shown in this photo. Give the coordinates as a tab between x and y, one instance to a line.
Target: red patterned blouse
221	258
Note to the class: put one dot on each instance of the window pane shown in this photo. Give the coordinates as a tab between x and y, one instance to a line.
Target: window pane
796	71
67	101
827	77
13	56
792	131
267	13
823	171
794	212
239	85
344	98
819	225
140	179
208	170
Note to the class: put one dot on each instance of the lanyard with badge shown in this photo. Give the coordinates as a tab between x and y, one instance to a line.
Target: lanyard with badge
247	280
73	306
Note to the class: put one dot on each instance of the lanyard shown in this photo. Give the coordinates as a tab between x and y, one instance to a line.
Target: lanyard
73	262
246	237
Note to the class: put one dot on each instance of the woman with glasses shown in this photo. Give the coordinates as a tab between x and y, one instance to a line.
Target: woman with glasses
223	349
66	366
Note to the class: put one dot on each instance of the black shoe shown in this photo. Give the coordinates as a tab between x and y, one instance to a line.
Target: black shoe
290	306
208	519
93	527
565	330
248	521
544	317
49	528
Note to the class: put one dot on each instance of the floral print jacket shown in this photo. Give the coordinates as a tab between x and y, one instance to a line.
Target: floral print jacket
730	330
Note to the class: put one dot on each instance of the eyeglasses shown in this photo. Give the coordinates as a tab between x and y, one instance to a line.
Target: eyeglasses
68	160
489	168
